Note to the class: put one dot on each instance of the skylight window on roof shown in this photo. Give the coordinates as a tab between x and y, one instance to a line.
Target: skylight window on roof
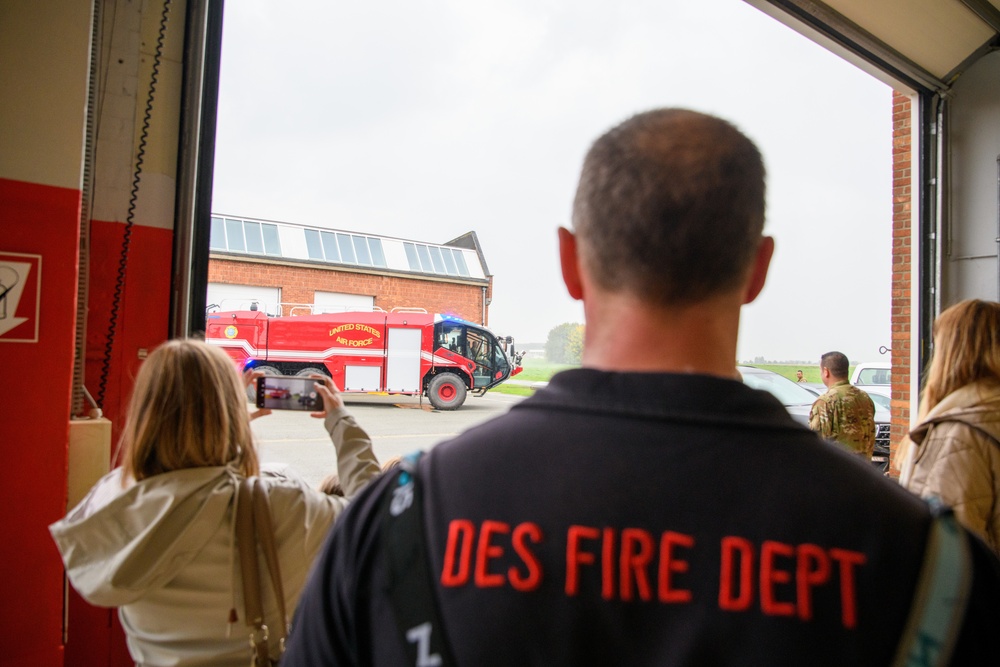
449	262
313	244
255	242
378	257
463	268
330	246
411	256
436	258
361	248
346	248
272	244
218	238
234	235
425	259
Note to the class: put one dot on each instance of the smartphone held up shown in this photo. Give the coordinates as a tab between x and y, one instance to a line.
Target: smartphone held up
285	392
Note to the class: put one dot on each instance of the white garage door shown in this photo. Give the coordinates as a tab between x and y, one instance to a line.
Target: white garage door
336	302
240	297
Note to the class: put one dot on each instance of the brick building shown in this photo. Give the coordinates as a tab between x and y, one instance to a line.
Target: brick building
287	268
902	267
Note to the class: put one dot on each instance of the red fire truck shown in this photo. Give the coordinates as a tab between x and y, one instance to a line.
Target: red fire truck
398	352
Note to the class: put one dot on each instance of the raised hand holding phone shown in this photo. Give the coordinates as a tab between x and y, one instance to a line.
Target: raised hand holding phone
286	392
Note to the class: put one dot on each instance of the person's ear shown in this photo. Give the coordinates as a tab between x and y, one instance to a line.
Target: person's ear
570	263
758	271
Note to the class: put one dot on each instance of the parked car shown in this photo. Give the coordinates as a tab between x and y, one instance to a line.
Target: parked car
881	396
798	397
816	388
872	373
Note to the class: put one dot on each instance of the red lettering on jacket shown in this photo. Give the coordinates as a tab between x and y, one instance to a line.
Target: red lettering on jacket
848	596
670	564
524	532
733	548
812	569
770	575
608	564
637	551
487	551
575	557
461	532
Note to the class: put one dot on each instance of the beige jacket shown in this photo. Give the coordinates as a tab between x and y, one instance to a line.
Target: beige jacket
956	457
163	551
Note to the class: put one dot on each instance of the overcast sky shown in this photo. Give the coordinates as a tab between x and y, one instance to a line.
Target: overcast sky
427	119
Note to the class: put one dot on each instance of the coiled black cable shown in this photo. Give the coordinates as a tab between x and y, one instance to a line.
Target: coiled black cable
116	300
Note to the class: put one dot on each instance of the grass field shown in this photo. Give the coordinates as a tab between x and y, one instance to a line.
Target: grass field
535	370
811	373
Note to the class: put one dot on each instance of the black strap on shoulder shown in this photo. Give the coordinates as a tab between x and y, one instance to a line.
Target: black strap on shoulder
408	571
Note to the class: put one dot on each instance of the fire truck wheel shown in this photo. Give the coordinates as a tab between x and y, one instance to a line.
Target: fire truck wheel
312	370
446	391
252	389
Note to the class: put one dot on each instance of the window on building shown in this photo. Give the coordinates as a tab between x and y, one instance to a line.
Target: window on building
330	246
361	249
449	262
255	242
217	240
244	236
425	259
272	244
263	238
463	269
411	256
378	257
346	248
313	244
436	259
234	235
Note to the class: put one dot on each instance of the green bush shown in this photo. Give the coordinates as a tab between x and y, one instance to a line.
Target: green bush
565	344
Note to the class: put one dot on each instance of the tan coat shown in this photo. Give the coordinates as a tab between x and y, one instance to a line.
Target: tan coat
163	551
956	457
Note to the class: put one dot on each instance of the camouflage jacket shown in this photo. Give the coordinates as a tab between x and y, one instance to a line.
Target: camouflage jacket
847	415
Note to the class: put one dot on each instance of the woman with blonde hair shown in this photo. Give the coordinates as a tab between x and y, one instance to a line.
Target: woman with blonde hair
156	536
954	451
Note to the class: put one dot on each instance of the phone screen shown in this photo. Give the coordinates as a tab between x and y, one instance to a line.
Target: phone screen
285	392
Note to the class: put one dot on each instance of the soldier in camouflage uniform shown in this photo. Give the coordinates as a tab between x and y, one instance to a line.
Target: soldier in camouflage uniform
844	413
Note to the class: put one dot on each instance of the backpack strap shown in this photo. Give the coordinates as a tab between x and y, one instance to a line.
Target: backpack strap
942	592
408	571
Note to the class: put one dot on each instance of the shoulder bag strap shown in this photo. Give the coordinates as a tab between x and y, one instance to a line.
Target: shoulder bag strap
409	573
265	535
247	543
941	596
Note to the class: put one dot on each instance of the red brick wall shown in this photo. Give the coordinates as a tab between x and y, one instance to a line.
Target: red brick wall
299	283
902	193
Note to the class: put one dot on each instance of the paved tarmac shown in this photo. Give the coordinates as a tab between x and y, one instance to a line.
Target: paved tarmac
397	425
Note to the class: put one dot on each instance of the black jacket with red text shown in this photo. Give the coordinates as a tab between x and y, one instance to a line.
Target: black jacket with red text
643	519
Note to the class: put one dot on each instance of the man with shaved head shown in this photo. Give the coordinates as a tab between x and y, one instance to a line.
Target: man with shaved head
648	508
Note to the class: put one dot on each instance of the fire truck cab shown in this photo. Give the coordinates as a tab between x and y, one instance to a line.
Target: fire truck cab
401	352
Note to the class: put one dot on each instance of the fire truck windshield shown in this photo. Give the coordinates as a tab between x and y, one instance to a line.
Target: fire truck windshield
478	345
